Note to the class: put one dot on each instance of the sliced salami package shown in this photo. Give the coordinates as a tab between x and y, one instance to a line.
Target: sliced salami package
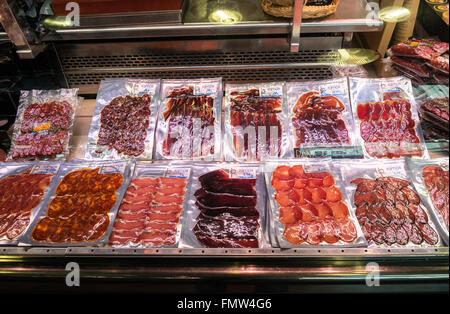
321	118
309	205
431	180
23	186
387	118
226	207
190	120
386	204
150	214
423	49
44	124
124	120
83	201
256	125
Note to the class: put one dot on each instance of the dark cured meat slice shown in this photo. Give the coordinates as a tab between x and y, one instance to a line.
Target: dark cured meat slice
235	211
390	235
378	233
402	236
414	234
227	231
420	215
222	199
219	181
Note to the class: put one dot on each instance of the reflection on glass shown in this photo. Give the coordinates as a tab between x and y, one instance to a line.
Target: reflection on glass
57	22
394	14
349	56
225	17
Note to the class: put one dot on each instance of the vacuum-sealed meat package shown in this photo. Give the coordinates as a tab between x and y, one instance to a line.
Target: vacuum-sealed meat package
23	186
124	119
149	215
386	204
321	115
309	206
431	180
44	124
226	207
255	122
82	204
387	118
423	49
189	123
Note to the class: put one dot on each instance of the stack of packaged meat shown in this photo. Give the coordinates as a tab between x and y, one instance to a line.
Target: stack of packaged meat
423	61
149	215
43	125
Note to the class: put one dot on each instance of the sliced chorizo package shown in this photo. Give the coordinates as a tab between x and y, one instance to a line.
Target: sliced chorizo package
431	180
124	120
226	207
309	205
150	214
190	120
44	124
23	186
256	122
321	118
387	205
386	116
83	201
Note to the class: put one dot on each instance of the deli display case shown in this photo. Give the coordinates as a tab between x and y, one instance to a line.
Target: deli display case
320	162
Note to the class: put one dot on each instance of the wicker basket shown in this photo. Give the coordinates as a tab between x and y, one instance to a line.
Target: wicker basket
309	12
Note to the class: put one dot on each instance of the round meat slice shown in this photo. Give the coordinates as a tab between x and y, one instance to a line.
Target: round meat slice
296	233
347	230
314	230
390	235
401	236
378	234
367	230
414	234
429	235
330	231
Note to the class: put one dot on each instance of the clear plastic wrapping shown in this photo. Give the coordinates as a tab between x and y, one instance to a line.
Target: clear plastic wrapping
83	201
226	207
431	180
321	118
386	204
256	125
124	120
44	124
387	119
309	205
150	214
23	186
190	120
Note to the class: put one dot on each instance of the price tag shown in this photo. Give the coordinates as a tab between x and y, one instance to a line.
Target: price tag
243	173
45	169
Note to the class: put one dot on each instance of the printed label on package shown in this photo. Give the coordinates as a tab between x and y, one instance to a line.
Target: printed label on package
271	91
242	173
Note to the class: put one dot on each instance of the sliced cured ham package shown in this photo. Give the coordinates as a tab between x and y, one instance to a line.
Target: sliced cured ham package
44	125
124	120
386	204
431	180
81	205
255	124
386	118
309	206
321	118
150	214
190	120
226	207
23	186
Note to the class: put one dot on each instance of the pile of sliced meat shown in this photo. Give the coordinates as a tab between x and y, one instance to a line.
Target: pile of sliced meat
248	109
318	120
311	207
19	195
79	210
150	212
388	129
44	130
124	124
437	181
390	212
228	216
183	108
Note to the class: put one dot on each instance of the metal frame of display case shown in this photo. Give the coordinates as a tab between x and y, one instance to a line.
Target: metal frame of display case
255	49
